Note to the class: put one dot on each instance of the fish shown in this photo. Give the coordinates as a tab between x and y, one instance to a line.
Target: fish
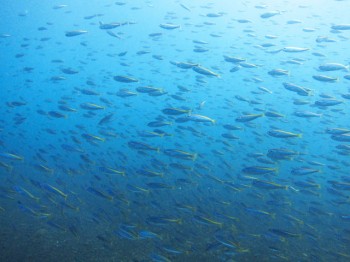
298	89
200	118
176	153
306	114
328	102
169	26
293	49
159	123
11	156
125	79
142	146
301	171
341	27
106	119
204	71
112	25
75	33
111	171
259	170
248	117
284	233
233	59
324	78
333	67
55	190
99	193
278	72
175	111
270	14
91	106
56	114
273	114
267	184
185	7
282	134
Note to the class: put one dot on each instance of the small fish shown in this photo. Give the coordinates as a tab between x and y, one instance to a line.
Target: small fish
200	118
333	67
278	72
293	49
56	114
270	14
233	59
75	33
180	154
99	193
106	119
324	78
206	220
303	91
149	173
111	171
342	137
142	146
159	186
55	190
6	166
159	123
306	184
11	156
302	171
113	34
175	111
282	134
125	79
284	233
248	118
341	27
144	234
306	114
108	26
91	106
204	71
273	114
267	184
92	138
169	26
328	102
259	170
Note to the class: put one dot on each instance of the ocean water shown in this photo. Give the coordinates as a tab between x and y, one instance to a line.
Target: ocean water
175	130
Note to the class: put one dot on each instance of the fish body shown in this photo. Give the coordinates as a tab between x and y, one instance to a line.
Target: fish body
75	33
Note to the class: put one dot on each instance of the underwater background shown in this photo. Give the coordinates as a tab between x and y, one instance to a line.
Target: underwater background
175	130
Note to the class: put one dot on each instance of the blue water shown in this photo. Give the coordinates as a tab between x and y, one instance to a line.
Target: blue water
175	131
